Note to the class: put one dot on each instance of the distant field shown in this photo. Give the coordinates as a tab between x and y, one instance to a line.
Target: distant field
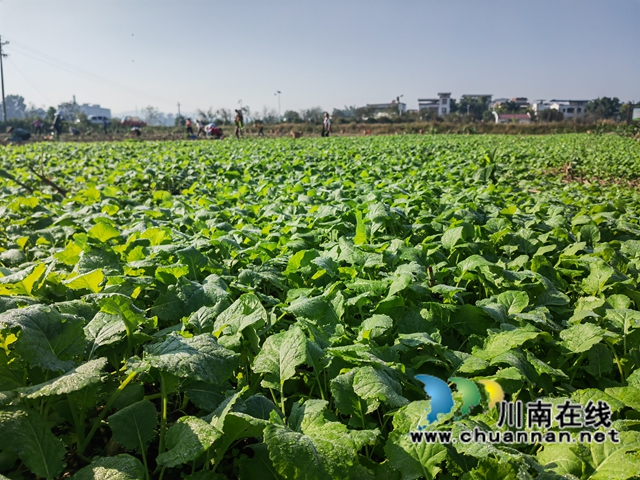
260	309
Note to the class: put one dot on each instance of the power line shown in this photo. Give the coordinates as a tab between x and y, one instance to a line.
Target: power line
14	65
54	62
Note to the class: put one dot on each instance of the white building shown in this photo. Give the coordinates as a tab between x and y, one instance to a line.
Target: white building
96	110
440	105
511	117
571	109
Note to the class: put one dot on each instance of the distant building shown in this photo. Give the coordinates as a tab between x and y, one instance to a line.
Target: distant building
440	105
96	110
511	117
485	96
571	109
382	109
521	102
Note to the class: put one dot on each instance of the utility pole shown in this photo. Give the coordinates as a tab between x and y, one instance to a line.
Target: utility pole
4	104
279	113
179	109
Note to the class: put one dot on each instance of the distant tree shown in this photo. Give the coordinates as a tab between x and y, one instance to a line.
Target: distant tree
292	116
475	106
365	113
453	105
268	115
224	116
83	121
312	115
346	112
70	111
550	115
206	115
604	107
428	114
51	111
151	115
179	121
16	107
508	107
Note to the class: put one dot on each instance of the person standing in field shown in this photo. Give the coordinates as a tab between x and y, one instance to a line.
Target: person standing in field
189	127
326	125
260	130
239	124
200	125
105	123
57	125
37	125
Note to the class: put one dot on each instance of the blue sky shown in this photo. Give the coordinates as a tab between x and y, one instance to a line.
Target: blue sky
125	54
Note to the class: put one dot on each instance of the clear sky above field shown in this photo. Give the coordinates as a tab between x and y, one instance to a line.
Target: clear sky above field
126	53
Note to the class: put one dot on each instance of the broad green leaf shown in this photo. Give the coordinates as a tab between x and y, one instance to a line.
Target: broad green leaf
361	230
630	396
624	318
195	260
120	467
451	237
104	329
26	433
48	339
590	234
189	438
581	337
561	459
280	355
76	379
514	301
375	387
414	460
502	342
92	281
316	449
613	461
246	311
399	283
103	232
600	274
600	361
375	326
197	358
134	426
491	469
259	465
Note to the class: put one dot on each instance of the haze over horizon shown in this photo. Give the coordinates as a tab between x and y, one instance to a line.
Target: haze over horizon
213	54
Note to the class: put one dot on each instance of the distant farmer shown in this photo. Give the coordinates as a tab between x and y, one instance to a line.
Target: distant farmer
200	125
136	131
214	131
37	125
74	131
326	125
57	124
105	124
260	130
18	134
189	127
239	123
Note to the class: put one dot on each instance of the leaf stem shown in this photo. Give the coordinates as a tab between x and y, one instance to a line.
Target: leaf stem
79	426
104	411
163	420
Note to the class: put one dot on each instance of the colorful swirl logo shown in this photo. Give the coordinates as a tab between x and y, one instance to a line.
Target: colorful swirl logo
442	397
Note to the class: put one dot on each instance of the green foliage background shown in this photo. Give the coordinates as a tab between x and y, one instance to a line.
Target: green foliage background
259	309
